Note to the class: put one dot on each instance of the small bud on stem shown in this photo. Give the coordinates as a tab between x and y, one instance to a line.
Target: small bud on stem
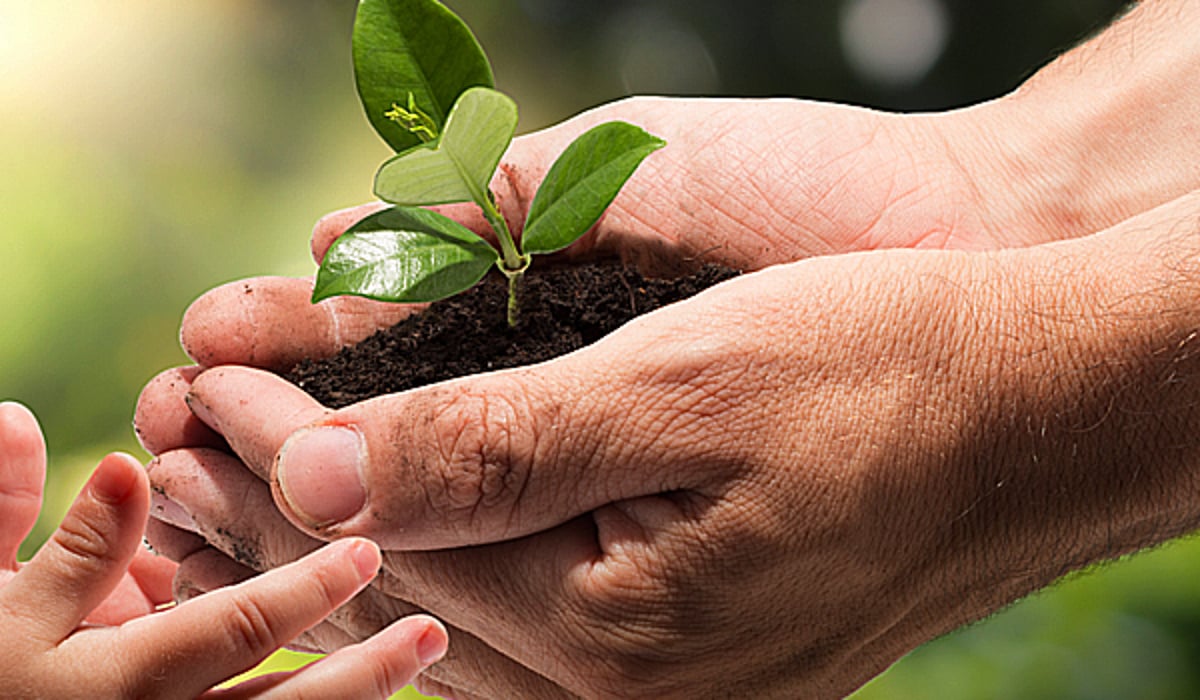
414	120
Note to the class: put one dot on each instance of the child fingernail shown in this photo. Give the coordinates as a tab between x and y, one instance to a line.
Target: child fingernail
113	481
432	645
367	559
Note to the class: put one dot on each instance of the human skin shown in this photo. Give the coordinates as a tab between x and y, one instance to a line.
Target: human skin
871	449
903	442
80	618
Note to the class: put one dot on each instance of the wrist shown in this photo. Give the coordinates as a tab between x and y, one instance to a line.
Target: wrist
1082	404
1105	132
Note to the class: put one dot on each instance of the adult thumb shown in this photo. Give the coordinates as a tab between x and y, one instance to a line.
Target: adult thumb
498	456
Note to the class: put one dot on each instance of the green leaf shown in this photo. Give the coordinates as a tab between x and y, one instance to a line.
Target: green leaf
418	48
457	167
404	255
583	182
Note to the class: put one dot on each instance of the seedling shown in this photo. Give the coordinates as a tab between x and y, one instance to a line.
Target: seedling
428	90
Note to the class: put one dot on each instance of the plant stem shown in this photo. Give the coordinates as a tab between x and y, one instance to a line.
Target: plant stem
512	263
514	304
512	258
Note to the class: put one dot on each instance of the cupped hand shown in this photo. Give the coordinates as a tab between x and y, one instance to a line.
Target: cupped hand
775	488
717	498
745	183
55	645
752	183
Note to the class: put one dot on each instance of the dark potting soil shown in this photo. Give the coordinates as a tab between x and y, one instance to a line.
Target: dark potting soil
562	309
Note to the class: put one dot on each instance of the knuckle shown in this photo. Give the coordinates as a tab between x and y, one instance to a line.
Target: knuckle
649	628
249	627
83	539
485	443
330	594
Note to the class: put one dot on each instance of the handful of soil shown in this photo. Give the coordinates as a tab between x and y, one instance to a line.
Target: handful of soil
563	308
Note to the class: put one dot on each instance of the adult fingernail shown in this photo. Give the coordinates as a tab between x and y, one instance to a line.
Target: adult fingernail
185	593
320	474
164	509
196	406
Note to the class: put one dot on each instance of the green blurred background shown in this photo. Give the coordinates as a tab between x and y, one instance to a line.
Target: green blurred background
151	150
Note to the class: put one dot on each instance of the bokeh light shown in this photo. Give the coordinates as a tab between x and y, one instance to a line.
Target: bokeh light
656	53
894	42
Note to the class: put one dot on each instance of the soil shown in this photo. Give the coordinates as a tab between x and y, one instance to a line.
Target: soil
562	309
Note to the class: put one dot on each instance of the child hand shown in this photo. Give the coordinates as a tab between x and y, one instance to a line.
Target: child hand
90	571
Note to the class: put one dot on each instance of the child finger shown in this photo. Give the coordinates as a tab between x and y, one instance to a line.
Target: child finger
87	556
221	634
22	474
376	668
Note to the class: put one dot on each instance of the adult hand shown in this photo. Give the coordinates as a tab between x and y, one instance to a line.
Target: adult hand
1102	134
746	183
54	645
779	486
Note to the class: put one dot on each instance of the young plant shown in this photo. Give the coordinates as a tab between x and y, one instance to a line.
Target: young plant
427	88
